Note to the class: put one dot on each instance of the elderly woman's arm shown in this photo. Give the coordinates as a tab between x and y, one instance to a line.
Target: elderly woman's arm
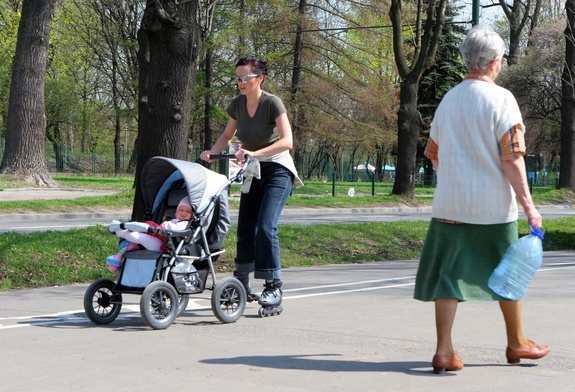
432	152
514	169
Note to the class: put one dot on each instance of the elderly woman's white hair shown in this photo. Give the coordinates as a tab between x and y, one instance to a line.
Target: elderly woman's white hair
481	46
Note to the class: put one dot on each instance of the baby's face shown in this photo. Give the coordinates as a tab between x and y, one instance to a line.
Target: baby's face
184	213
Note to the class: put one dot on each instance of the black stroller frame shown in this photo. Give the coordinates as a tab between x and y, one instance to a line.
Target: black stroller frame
165	280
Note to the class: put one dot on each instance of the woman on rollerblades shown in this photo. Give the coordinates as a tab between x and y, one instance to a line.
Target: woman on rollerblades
259	121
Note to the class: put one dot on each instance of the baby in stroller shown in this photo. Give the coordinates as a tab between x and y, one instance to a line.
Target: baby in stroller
150	241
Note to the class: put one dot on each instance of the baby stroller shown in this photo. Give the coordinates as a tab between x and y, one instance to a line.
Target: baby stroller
166	279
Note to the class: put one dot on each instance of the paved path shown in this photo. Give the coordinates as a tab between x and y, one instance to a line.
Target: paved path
344	328
348	327
49	193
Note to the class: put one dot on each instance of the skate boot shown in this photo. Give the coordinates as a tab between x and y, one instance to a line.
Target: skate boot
245	281
271	299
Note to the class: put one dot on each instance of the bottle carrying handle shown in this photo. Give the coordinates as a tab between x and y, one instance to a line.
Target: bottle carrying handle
536	232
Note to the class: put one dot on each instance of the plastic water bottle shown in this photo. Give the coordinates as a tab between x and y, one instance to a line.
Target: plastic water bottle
518	266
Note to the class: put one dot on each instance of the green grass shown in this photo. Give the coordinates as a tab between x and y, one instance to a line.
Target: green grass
42	259
94	182
61	258
52	258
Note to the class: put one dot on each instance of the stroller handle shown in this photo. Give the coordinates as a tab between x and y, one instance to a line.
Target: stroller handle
228	156
239	176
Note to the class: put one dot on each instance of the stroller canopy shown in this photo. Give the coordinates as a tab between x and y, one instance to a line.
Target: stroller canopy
160	176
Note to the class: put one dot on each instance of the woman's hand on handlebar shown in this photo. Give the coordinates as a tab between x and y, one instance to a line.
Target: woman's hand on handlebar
205	156
242	154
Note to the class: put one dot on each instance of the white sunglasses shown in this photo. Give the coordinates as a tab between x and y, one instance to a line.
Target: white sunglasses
246	78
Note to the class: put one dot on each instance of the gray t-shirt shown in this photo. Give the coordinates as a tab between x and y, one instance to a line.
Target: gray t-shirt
260	130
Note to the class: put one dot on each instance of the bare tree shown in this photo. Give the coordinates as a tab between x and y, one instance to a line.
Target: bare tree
567	174
517	15
113	45
429	19
520	14
536	83
25	135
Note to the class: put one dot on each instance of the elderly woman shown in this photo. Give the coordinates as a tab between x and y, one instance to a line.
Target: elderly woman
476	145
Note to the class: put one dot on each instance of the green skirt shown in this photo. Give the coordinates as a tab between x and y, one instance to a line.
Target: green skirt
457	260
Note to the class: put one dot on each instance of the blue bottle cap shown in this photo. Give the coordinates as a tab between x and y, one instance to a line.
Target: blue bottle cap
537	232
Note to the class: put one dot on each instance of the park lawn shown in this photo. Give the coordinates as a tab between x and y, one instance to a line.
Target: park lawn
41	259
54	258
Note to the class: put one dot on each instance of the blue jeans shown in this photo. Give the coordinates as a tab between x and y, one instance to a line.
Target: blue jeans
258	248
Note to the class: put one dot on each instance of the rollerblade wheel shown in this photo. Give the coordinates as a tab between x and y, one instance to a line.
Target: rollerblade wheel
271	311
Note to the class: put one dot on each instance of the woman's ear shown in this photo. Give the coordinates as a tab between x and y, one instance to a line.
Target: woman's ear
493	63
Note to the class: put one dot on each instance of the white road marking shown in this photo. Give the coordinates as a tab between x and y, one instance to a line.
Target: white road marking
72	316
349	284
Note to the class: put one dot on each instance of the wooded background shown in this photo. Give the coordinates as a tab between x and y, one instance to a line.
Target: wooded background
113	68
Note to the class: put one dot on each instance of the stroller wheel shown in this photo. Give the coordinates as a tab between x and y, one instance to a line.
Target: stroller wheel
159	304
229	300
183	303
101	304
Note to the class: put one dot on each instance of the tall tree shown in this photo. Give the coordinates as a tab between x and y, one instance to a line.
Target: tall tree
446	72
536	83
108	30
170	37
116	48
427	27
25	136
213	83
297	111
567	173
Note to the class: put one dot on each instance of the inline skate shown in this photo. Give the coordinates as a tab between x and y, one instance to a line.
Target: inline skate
271	299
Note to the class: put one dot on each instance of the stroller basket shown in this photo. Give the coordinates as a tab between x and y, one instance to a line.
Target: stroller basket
186	278
139	268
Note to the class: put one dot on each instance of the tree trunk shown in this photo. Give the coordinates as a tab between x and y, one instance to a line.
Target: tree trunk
118	145
169	43
409	125
208	101
297	110
567	168
25	150
409	122
380	161
55	137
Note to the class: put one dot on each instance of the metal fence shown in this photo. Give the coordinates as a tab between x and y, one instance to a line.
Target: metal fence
100	160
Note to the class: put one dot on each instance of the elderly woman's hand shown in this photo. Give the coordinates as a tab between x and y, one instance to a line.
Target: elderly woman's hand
533	216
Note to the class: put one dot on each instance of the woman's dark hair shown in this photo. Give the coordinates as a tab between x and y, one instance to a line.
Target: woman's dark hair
258	66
